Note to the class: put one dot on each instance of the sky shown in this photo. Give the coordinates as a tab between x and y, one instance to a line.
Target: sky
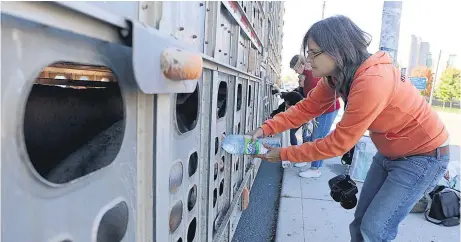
435	21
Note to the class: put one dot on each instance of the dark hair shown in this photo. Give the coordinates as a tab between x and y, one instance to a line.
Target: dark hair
292	97
293	61
345	42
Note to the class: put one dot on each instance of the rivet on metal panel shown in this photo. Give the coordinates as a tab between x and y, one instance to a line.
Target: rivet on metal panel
145	6
206	42
228	31
219	50
201	4
194	36
208	10
222	25
179	65
225	53
181	28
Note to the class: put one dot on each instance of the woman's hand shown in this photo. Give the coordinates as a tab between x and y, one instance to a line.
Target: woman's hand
273	155
256	134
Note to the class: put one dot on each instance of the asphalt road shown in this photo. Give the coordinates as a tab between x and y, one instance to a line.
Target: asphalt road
258	222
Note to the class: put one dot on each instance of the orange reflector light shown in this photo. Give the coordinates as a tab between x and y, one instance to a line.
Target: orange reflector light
245	198
180	65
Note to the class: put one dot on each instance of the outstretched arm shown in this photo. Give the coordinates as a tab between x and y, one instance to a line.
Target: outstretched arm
317	101
367	99
280	109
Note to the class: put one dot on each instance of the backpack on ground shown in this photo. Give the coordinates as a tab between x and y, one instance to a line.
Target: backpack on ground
444	206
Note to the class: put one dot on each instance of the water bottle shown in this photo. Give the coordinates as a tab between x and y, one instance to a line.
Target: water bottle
244	145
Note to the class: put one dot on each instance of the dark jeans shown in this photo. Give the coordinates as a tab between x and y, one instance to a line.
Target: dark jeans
293	139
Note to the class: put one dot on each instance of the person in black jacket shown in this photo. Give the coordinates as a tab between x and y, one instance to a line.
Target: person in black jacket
290	99
300	89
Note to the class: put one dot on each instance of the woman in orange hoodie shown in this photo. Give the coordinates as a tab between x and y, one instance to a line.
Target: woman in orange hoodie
412	141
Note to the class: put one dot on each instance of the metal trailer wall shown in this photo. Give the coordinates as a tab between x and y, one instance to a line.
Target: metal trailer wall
158	172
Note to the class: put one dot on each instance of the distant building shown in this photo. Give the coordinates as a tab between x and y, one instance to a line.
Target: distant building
451	60
420	54
429	60
423	53
390	28
414	53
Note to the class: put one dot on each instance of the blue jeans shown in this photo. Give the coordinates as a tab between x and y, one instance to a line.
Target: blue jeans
389	192
324	123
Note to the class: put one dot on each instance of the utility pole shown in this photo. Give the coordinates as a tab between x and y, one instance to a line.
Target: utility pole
323	9
435	79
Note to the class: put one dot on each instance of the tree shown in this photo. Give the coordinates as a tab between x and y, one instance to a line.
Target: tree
423	71
450	86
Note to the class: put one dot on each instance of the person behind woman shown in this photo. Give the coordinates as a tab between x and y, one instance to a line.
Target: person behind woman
290	99
412	142
322	124
300	88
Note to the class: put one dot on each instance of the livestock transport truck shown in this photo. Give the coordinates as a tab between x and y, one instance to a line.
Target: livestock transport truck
113	114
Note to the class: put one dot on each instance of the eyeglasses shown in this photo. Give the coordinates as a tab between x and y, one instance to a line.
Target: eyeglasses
312	54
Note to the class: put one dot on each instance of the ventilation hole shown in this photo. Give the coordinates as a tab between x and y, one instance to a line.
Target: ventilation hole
175	216
73	127
215	171
249	95
221	187
239	97
180	240
215	197
237	165
216	145
113	224
222	99
221	164
176	174
191	230
187	110
216	222
238	128
193	164
192	198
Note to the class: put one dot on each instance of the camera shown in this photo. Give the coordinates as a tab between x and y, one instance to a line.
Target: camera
343	190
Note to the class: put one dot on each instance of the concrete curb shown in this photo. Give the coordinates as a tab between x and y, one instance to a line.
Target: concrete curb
290	225
279	215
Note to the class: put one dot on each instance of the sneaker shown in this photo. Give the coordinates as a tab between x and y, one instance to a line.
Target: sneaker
299	165
310	173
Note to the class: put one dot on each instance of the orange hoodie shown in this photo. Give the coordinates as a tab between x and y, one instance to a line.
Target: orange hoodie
400	121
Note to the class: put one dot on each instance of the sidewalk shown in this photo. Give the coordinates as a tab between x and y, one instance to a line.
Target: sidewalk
308	213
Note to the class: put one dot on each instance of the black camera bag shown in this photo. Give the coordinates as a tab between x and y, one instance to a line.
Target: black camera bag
444	206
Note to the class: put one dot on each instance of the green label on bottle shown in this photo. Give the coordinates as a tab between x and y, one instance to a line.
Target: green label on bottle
251	148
